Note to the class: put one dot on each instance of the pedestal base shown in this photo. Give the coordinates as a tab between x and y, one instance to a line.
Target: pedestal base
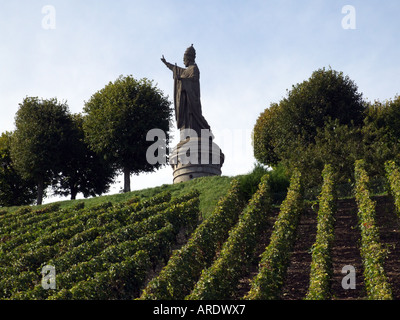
188	172
195	158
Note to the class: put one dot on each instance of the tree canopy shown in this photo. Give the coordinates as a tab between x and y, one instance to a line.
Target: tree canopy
40	140
381	134
325	120
83	171
118	118
14	191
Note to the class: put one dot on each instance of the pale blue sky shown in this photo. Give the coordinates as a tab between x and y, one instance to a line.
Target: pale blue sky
248	52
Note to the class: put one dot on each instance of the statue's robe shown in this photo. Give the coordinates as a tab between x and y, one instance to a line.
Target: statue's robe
188	111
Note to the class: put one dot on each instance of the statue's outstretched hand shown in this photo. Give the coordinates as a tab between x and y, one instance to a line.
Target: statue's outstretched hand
163	60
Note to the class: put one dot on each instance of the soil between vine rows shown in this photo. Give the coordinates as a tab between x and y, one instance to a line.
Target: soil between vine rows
389	230
298	273
345	251
245	283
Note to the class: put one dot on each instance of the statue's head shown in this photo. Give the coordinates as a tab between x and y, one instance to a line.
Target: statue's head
189	56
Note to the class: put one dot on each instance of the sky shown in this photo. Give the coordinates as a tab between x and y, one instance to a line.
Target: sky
249	54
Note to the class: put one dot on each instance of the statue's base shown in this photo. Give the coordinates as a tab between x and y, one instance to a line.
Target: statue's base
195	158
186	172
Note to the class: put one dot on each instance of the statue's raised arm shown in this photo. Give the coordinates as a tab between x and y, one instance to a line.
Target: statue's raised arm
169	65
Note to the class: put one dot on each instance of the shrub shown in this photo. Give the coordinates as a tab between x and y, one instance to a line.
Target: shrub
249	182
393	176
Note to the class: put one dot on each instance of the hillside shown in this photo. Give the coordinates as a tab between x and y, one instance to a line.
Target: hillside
210	188
205	240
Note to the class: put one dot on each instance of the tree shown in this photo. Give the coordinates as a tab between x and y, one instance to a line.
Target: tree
14	191
39	143
263	136
381	134
339	145
312	122
83	171
118	119
326	95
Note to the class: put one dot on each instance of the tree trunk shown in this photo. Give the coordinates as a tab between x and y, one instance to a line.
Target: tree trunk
127	180
40	191
74	192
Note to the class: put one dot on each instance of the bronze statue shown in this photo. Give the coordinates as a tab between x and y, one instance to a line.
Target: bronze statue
187	103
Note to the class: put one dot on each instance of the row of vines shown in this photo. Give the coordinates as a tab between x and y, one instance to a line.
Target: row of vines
105	252
208	268
112	251
189	275
373	254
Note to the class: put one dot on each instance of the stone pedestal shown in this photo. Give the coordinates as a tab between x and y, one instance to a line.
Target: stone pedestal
196	157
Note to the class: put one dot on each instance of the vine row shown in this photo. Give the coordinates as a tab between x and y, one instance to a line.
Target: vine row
267	283
372	253
321	263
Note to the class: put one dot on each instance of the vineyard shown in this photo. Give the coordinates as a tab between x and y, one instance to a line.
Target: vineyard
161	248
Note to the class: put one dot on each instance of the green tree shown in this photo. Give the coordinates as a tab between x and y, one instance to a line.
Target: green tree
339	145
326	95
40	141
14	191
83	171
118	119
264	136
381	135
293	131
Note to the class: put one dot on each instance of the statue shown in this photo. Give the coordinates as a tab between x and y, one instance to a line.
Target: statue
187	103
196	155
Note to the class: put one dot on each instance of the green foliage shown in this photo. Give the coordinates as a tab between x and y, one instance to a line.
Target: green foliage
178	277
83	171
249	182
120	281
336	144
326	95
14	190
381	135
315	124
211	189
265	136
321	264
40	141
372	253
105	252
118	119
278	181
267	283
393	176
221	279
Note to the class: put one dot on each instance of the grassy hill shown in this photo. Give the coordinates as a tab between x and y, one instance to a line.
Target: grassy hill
210	188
